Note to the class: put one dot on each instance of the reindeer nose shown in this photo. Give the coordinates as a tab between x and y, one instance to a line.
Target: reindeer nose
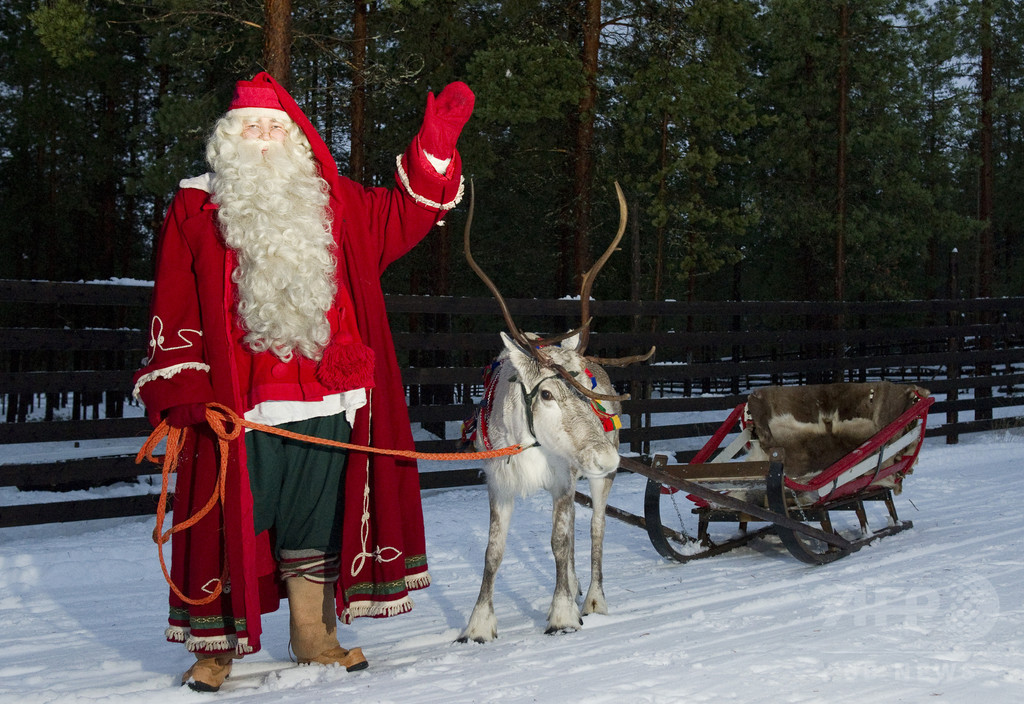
603	461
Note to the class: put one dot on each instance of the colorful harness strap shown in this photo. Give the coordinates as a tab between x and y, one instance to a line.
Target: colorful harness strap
481	415
477	424
609	421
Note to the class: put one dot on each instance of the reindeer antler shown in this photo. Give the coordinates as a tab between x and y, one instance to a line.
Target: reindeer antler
587	280
518	336
622	361
528	345
587	283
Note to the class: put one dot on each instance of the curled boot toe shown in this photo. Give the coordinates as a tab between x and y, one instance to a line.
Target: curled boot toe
207	674
351	660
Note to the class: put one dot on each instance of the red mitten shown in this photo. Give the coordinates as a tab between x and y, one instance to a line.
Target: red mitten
186	414
444	119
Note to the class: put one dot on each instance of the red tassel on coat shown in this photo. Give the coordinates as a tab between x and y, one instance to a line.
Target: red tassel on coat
346	366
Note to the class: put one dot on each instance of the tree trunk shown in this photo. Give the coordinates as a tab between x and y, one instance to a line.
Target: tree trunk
584	166
842	127
277	40
985	254
985	187
357	103
160	148
809	264
659	233
659	236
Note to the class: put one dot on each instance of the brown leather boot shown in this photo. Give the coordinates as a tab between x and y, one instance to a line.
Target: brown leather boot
208	673
313	626
351	660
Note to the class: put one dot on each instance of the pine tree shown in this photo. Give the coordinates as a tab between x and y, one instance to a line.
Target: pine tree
74	102
679	115
868	190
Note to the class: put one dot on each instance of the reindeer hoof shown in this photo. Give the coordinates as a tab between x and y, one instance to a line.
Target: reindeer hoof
482	627
466	639
558	630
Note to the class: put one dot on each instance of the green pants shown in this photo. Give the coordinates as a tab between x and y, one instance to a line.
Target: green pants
297	486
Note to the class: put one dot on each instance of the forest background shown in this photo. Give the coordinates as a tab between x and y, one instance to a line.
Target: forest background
769	149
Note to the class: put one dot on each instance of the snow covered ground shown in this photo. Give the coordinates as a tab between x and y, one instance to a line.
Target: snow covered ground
932	614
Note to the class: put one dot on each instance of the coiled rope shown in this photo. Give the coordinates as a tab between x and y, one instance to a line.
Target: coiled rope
227	426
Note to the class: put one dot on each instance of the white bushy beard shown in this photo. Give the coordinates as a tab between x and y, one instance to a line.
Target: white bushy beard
274	214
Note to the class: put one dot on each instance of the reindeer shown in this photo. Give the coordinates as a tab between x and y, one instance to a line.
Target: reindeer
560	405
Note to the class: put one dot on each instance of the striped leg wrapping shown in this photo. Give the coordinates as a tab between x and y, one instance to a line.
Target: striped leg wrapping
311	565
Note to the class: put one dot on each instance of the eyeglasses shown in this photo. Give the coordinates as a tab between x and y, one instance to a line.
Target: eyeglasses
265	128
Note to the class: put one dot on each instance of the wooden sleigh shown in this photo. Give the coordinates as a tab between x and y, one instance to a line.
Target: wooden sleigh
799	454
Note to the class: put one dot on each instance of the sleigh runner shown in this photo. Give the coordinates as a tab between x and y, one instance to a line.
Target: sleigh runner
799	454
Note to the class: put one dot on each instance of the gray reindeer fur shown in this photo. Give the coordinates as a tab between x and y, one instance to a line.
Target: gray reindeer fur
570	443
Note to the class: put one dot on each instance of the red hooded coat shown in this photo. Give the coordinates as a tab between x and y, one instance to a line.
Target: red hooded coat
192	359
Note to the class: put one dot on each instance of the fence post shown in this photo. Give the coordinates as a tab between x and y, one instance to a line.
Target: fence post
983	369
839	350
737	322
953	345
637	390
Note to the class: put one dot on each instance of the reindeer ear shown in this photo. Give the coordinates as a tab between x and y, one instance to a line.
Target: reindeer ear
571	342
517	354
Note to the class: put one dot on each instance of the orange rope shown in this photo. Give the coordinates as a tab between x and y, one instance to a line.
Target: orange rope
227	426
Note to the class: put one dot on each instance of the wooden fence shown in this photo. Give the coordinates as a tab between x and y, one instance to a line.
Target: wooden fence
68	351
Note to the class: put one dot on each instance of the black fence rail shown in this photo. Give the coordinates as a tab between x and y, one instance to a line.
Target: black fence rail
68	352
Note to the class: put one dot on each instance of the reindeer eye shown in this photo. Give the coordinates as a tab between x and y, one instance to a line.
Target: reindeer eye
546	395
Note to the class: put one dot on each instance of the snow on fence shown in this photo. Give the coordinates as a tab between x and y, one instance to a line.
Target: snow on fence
68	351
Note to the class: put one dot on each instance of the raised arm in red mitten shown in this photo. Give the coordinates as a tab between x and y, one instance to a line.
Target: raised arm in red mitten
445	117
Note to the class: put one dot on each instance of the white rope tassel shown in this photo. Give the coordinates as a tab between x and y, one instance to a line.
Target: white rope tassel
379	553
404	178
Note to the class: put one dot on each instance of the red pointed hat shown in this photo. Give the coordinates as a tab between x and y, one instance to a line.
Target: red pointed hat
250	94
264	93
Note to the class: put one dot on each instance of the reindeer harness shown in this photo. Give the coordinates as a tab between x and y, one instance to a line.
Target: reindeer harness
480	420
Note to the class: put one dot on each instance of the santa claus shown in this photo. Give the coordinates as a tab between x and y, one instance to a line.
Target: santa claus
267	299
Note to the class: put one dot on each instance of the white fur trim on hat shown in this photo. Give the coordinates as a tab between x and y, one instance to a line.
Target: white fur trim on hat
260	112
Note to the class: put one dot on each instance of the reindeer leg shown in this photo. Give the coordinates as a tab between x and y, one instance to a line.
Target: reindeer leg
574	582
594	601
564	614
483	625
